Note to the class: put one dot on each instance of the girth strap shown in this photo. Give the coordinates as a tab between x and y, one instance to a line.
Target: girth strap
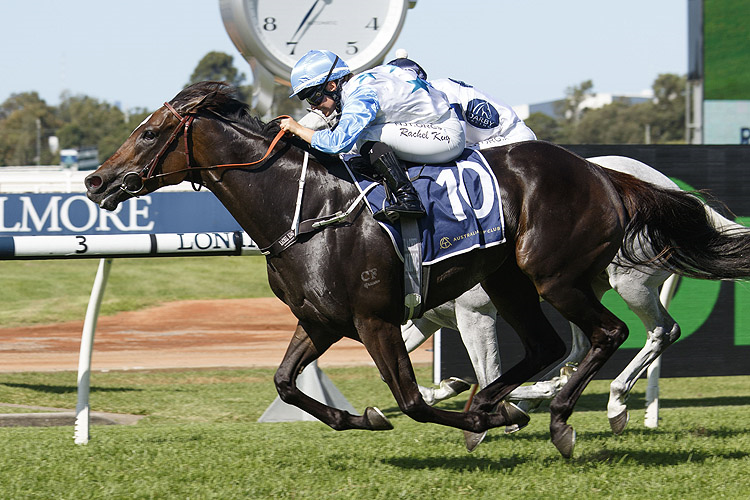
290	237
310	225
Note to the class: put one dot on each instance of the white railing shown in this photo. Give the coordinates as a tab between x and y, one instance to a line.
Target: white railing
106	248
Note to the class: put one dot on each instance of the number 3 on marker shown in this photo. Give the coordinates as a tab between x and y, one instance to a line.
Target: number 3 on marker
82	246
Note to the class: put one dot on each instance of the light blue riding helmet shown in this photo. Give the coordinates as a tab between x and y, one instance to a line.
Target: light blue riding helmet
315	68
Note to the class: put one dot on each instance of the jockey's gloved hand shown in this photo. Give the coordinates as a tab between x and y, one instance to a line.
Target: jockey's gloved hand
316	120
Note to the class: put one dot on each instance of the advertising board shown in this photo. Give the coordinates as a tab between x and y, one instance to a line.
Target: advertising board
714	316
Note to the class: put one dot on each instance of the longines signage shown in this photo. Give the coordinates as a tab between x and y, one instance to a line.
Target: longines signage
55	214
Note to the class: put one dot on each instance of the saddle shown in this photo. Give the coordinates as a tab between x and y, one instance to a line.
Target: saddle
462	199
464	212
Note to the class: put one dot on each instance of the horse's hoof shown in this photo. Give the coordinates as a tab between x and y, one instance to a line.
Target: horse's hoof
454	385
515	415
619	422
513	428
376	420
567	371
473	439
565	441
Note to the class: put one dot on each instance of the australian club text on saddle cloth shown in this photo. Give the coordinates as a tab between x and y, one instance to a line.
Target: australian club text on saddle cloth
464	210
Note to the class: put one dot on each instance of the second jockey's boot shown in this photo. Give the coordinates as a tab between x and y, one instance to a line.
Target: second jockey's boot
407	201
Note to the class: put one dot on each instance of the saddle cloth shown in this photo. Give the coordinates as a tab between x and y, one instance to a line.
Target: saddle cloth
463	205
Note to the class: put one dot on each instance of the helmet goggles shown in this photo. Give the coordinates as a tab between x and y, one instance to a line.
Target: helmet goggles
315	95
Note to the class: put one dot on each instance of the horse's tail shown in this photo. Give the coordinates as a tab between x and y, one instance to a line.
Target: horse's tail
686	236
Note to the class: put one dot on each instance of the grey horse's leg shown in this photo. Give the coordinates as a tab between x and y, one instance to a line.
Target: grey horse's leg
476	319
551	383
417	331
642	296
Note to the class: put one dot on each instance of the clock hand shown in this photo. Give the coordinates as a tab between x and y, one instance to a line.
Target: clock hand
304	20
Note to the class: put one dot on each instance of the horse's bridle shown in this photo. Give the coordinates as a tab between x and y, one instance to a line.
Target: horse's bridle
138	179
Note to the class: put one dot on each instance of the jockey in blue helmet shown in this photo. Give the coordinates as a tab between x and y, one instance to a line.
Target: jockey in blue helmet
386	114
312	73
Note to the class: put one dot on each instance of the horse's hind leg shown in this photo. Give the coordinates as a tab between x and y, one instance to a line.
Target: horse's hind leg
517	302
301	352
606	333
386	347
639	290
530	397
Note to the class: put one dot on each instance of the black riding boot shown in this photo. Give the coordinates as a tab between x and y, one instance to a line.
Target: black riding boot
407	202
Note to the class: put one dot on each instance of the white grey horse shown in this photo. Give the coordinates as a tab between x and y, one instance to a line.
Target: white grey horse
474	316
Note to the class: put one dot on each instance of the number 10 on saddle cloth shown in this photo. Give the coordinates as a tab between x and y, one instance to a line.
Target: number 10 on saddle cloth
463	204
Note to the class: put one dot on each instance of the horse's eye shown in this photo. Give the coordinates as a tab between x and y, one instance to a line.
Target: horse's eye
149	135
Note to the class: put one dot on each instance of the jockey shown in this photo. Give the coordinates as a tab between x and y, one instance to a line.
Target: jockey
386	113
487	121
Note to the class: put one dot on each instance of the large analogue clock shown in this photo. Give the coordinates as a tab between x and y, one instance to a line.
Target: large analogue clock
278	32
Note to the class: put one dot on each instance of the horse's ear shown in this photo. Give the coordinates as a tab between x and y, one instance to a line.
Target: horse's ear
196	103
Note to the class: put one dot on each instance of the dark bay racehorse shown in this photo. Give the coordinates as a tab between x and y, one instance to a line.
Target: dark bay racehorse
566	219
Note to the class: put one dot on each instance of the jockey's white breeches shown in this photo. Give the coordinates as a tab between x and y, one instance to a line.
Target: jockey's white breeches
437	142
519	133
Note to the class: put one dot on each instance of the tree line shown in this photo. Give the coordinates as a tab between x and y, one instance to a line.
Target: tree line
79	121
660	120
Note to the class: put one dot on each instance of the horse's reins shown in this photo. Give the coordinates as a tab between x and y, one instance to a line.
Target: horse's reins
288	238
147	173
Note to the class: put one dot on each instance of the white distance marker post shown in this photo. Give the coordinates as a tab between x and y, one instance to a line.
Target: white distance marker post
83	410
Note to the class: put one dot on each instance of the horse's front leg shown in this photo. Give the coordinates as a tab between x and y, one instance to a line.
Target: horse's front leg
386	347
476	320
301	352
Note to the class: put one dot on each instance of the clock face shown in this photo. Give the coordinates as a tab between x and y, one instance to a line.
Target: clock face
278	32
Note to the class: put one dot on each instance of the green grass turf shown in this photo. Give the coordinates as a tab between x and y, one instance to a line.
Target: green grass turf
50	291
200	439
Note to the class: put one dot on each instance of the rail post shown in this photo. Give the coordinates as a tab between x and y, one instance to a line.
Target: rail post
83	409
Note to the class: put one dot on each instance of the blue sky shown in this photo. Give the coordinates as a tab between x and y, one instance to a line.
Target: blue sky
140	53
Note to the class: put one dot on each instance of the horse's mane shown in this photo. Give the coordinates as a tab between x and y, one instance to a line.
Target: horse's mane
219	99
